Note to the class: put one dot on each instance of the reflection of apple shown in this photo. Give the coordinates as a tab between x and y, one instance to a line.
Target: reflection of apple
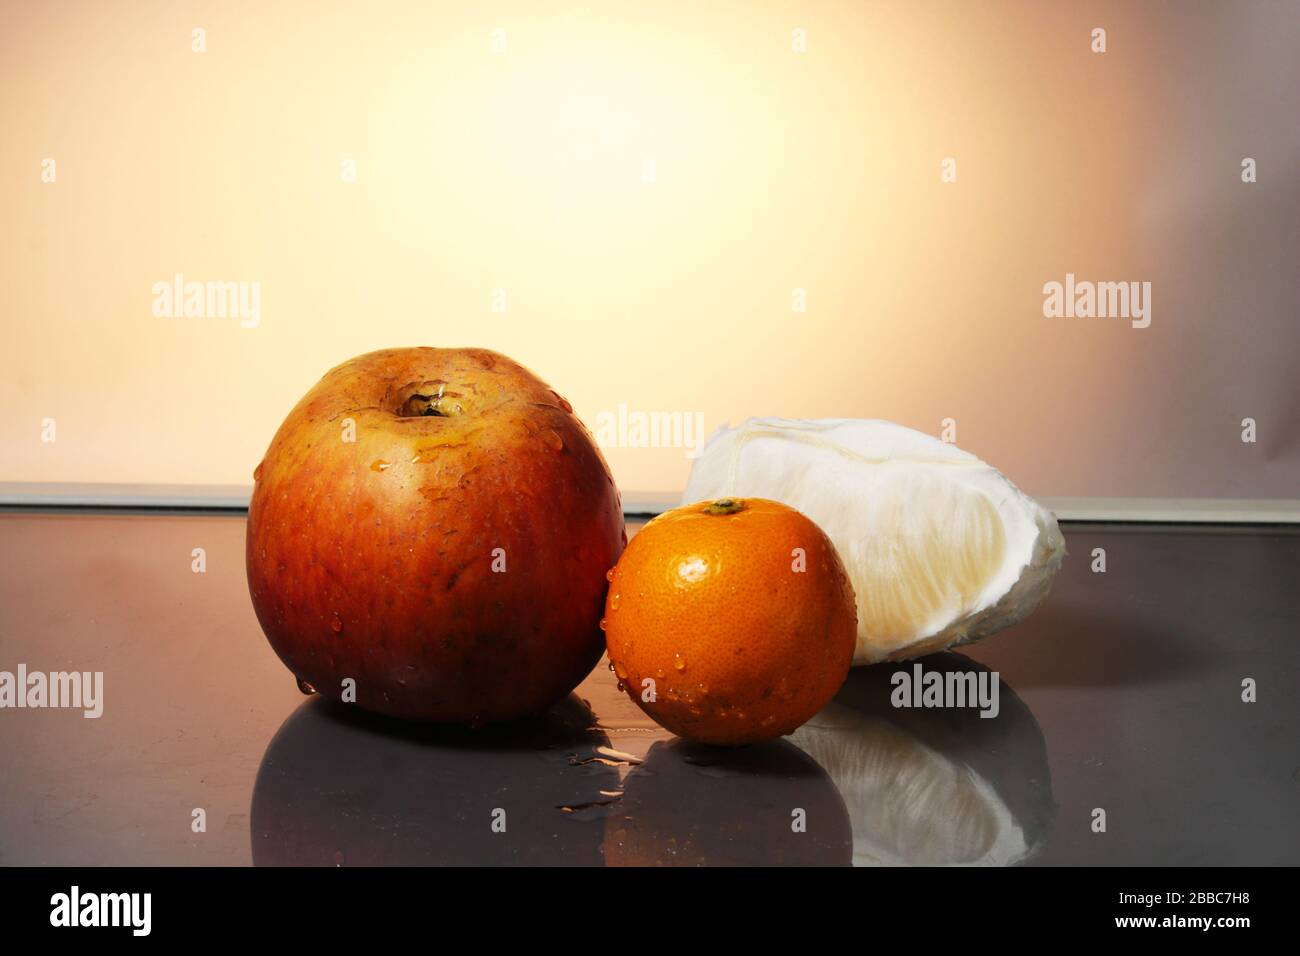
933	786
338	787
766	804
436	525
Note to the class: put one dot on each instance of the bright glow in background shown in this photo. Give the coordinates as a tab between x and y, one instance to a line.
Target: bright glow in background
523	170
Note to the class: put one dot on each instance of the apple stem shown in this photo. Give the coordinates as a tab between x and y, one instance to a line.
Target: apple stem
425	405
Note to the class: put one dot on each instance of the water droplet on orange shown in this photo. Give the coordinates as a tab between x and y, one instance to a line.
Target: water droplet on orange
379	465
621	671
679	663
613	601
609	575
603	623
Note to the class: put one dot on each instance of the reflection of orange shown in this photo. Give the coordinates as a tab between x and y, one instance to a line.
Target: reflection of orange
730	621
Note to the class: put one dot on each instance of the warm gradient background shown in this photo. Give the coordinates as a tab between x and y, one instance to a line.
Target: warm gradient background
774	170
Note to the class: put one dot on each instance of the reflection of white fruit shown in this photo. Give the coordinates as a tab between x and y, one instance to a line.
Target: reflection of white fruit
941	548
910	805
933	787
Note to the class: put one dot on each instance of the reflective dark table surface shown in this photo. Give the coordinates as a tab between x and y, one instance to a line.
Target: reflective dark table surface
1122	694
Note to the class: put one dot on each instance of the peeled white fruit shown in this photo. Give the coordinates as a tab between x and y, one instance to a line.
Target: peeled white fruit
941	548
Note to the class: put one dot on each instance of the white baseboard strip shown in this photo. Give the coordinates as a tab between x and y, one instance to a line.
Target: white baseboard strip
153	497
235	498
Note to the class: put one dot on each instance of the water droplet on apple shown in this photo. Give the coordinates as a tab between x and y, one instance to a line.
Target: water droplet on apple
305	687
553	439
257	472
564	402
379	465
339	858
336	625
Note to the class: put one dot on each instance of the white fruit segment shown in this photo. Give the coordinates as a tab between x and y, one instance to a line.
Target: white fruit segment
941	548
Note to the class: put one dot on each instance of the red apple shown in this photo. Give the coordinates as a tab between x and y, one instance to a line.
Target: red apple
436	525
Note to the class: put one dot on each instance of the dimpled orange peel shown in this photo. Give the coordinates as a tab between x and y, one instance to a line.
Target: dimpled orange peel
730	621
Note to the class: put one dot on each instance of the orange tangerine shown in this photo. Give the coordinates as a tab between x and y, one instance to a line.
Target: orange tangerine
730	621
